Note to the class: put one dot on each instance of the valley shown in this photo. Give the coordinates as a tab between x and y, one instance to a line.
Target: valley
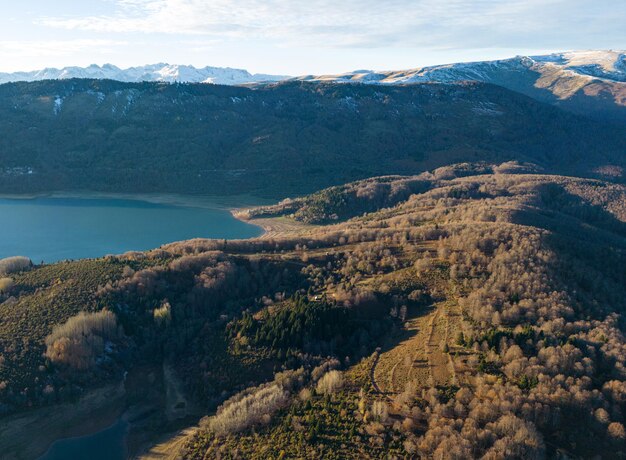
306	230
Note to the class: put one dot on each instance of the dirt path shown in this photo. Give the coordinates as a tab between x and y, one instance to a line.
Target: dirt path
170	447
373	372
438	361
420	356
462	370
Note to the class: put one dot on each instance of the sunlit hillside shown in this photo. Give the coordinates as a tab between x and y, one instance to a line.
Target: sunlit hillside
471	311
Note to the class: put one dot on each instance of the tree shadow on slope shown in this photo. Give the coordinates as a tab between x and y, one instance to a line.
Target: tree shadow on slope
572	219
590	244
585	259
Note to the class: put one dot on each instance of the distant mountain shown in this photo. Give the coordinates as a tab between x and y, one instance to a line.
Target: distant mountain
156	72
591	83
278	139
608	65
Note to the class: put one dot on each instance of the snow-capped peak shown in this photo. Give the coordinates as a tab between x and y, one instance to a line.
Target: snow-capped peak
586	65
607	65
154	72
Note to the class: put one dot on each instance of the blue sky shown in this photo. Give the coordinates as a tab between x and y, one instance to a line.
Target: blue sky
300	37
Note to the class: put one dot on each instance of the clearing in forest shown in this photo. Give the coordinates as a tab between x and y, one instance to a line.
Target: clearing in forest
421	355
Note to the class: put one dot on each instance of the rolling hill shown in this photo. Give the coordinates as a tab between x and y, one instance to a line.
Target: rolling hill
471	311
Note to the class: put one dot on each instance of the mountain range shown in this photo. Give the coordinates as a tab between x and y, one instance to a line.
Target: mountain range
450	290
590	83
606	65
105	129
609	65
154	72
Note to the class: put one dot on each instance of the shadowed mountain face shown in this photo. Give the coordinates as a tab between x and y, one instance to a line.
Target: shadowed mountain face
278	140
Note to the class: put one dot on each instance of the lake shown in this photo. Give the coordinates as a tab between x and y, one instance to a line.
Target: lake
50	229
108	444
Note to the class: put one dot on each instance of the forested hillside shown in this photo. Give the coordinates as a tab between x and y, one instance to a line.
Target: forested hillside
474	311
278	140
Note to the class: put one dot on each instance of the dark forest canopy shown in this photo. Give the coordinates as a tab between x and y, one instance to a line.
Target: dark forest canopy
277	140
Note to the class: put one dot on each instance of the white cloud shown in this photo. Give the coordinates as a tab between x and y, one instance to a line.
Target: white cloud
298	36
365	23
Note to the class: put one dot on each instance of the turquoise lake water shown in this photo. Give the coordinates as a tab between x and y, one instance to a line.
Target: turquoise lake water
53	229
108	444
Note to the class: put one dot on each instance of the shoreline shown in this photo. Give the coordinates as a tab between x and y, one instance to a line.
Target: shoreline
238	214
230	207
221	202
31	434
273	227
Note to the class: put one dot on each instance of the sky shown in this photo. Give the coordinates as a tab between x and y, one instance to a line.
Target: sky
295	37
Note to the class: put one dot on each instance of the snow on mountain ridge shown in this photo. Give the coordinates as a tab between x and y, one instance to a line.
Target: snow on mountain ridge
584	82
445	73
154	72
583	66
607	65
